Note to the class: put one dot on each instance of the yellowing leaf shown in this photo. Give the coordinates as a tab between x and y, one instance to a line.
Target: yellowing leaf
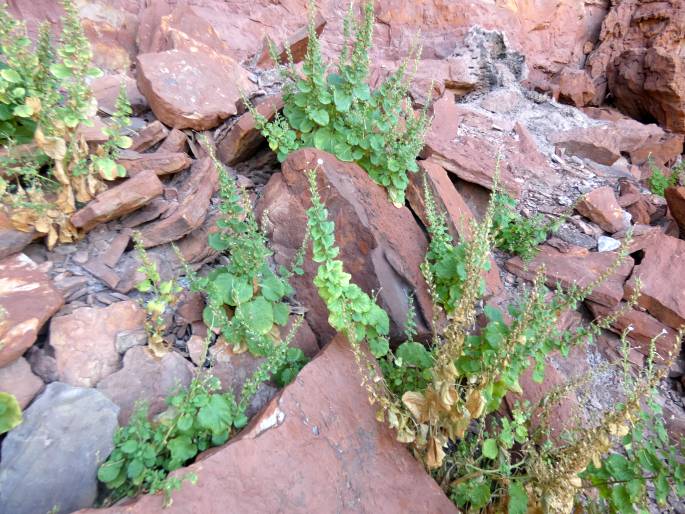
475	404
435	454
417	405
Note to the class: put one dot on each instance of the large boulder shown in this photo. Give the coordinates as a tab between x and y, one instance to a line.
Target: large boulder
317	447
190	89
28	299
50	461
380	245
639	61
85	341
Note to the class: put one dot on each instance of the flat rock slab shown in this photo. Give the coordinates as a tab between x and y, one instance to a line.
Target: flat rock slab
662	276
17	379
85	341
602	207
119	200
51	459
316	448
28	299
579	267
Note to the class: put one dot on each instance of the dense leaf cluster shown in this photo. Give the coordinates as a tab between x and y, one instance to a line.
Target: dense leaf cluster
339	113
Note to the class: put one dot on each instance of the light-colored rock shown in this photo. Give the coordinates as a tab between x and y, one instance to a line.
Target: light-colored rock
66	434
607	244
601	206
28	299
85	341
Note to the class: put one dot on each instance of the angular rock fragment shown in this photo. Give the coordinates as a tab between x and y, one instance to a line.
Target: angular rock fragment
194	198
381	246
296	43
85	341
147	378
601	206
119	200
580	268
162	163
149	136
189	90
17	379
28	299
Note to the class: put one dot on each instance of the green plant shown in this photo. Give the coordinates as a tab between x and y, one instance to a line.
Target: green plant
10	412
658	182
337	112
164	296
295	360
516	234
647	456
197	418
245	298
485	461
104	160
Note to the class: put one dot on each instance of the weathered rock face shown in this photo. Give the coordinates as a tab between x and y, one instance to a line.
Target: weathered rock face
85	341
66	434
145	377
119	201
189	90
579	267
675	196
381	246
11	239
326	453
662	276
161	162
106	90
28	299
640	61
17	379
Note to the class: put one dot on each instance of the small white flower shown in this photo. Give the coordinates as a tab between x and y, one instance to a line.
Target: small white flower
630	328
319	162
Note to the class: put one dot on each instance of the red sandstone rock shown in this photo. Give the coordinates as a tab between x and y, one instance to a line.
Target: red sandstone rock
675	196
601	206
189	90
639	61
297	43
175	142
11	239
315	465
17	379
662	277
576	87
84	341
149	136
161	162
28	299
119	200
581	269
381	246
243	138
106	90
194	197
147	378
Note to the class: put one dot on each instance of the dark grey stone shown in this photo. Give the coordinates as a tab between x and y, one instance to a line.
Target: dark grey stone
50	461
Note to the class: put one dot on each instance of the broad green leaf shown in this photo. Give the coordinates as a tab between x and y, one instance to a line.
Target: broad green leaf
10	412
379	347
490	450
342	99
258	314
10	75
182	449
281	313
272	288
134	469
324	139
518	498
23	111
110	470
60	71
216	416
414	354
320	116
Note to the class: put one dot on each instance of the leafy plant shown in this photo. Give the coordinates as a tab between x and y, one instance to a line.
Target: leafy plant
245	298
658	182
10	412
45	99
295	360
164	295
483	459
104	160
197	418
337	111
516	234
